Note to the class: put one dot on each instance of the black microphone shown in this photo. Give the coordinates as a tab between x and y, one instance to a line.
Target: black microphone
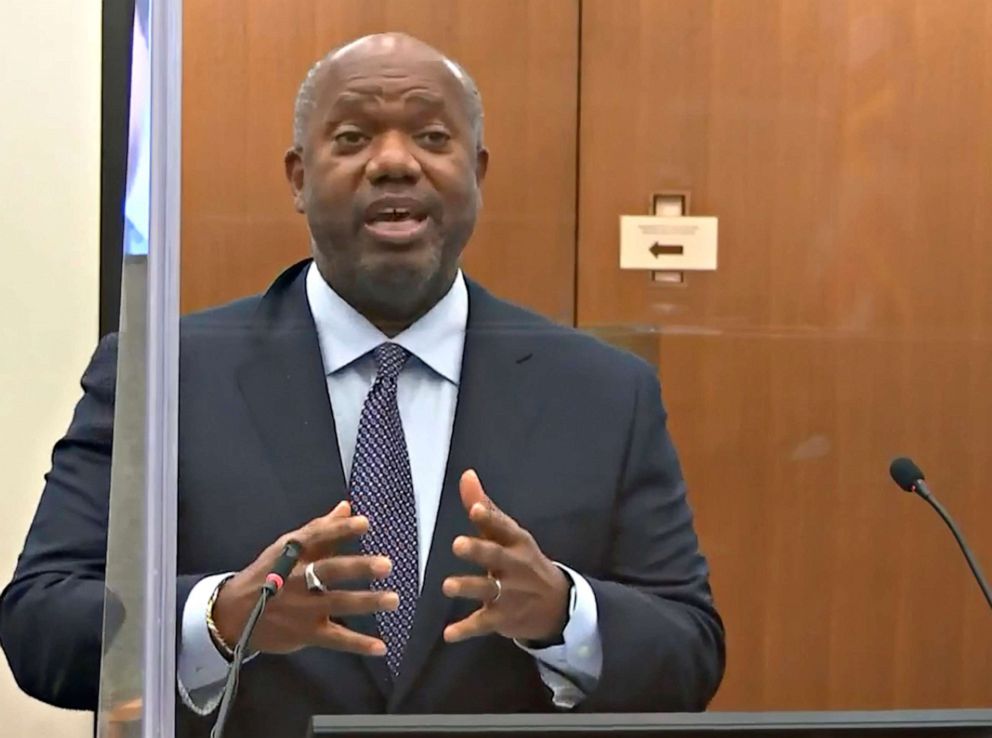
276	579
909	477
274	582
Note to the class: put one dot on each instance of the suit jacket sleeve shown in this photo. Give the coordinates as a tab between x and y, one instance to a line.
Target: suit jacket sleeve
663	644
52	612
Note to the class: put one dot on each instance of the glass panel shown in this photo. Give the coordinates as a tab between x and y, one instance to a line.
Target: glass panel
137	691
792	373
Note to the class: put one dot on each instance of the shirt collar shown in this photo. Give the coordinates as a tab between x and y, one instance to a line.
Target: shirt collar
437	339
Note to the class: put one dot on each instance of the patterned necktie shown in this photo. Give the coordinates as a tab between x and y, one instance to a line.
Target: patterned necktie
381	489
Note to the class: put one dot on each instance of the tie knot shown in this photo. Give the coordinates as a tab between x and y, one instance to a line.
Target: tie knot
389	360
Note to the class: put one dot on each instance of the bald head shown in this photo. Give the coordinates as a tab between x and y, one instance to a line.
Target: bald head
382	45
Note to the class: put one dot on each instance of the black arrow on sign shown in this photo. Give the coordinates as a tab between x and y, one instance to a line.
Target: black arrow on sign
658	249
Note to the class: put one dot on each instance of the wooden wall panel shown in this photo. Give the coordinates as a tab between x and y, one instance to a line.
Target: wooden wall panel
243	62
844	145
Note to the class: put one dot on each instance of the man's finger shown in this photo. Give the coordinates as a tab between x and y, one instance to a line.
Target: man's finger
341	510
339	638
304	535
487	554
495	524
483	589
339	603
320	538
338	569
480	622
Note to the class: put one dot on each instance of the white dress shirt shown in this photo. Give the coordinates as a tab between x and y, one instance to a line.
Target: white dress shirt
427	393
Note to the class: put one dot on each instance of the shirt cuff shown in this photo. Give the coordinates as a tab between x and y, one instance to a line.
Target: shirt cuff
200	668
572	669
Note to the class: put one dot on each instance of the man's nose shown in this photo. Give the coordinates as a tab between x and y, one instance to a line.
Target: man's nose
392	159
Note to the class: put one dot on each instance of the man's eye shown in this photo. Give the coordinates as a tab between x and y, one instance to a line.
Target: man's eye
433	139
350	138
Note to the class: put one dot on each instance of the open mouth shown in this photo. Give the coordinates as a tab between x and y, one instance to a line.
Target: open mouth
396	224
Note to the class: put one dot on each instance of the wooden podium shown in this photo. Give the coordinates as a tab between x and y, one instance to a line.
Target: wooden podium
916	723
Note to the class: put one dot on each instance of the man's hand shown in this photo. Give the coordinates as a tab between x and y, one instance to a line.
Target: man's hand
533	591
297	617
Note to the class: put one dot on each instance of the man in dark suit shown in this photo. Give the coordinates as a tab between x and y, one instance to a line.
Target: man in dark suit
491	511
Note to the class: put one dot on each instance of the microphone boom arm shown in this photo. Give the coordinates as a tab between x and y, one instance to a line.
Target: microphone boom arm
921	489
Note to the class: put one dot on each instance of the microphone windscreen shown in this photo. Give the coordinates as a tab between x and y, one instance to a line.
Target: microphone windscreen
905	473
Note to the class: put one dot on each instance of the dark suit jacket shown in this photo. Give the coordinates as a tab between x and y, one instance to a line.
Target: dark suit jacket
568	436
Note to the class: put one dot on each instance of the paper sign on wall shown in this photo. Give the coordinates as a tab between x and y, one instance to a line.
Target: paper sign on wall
668	243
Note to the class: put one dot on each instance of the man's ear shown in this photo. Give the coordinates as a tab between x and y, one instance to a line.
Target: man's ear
481	167
294	175
481	164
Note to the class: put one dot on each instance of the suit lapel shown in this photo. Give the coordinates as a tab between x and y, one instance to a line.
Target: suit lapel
496	407
285	388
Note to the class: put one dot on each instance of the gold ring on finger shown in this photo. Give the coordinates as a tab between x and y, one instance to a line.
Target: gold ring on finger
499	589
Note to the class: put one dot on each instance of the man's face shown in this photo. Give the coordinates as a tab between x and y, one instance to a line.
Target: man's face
388	178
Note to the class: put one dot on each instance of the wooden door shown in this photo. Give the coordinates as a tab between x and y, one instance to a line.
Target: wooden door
845	147
242	65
